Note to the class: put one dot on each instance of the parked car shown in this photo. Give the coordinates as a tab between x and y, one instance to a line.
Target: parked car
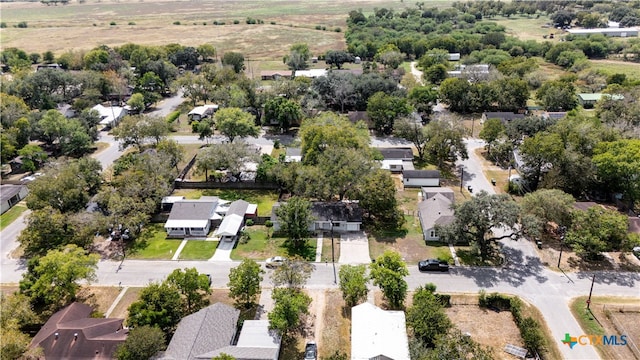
311	351
275	261
433	265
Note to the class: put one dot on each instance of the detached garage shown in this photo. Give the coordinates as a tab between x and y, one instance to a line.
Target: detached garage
420	178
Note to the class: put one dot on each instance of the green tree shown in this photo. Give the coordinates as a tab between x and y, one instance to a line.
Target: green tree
415	133
244	284
353	284
52	126
229	157
376	193
384	109
426	317
422	98
446	141
388	272
158	305
137	130
337	58
343	170
491	131
294	218
549	205
298	56
284	112
195	87
289	309
292	274
557	96
12	108
136	102
204	128
618	166
223	356
456	345
33	157
456	93
331	131
52	281
142	343
538	151
193	286
597	230
233	122
476	219
234	60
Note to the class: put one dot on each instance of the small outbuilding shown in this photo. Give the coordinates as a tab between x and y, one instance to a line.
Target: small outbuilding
378	334
420	178
110	116
202	112
11	195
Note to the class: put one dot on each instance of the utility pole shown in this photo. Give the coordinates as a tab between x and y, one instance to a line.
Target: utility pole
590	292
333	255
461	176
562	231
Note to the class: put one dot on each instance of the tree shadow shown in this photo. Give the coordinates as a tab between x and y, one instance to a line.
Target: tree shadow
628	279
307	250
289	349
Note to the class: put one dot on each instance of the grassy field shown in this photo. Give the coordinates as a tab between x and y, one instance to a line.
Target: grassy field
527	28
11	215
610	67
198	250
84	26
264	198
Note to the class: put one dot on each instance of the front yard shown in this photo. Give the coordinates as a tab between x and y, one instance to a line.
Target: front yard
11	215
260	246
198	250
152	244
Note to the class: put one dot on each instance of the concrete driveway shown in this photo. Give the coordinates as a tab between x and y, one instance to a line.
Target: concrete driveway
354	248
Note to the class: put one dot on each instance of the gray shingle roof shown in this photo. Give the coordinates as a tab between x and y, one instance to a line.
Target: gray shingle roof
435	210
238	207
396	153
209	329
339	211
421	174
193	209
8	191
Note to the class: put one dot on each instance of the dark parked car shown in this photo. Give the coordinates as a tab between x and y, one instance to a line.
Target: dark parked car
433	265
311	351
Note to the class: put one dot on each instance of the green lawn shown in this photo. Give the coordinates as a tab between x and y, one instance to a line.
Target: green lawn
11	215
152	244
198	250
585	318
616	67
260	247
264	198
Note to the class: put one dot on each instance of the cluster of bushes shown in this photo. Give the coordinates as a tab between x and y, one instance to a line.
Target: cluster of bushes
530	329
173	116
252	21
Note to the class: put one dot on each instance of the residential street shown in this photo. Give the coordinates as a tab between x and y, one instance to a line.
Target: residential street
523	275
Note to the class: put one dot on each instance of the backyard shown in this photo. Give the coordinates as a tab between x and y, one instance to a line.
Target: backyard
264	198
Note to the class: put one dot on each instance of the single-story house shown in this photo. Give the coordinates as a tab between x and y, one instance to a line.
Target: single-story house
110	116
473	73
193	217
454	56
53	66
329	216
396	159
11	195
504	116
613	32
435	209
420	178
275	74
429	192
378	334
256	342
234	219
202	112
593	98
293	155
311	73
202	332
556	115
72	333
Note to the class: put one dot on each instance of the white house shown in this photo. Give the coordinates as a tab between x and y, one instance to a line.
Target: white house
201	112
110	116
293	155
420	178
378	334
435	209
255	342
11	195
311	73
329	216
396	159
613	32
192	217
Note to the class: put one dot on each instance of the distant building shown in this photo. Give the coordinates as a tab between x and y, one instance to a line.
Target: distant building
311	73
473	73
591	99
420	178
202	112
454	56
613	32
275	74
504	117
110	116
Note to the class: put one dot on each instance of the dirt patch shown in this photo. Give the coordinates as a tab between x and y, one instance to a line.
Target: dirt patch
121	310
489	328
98	297
8	289
333	328
550	253
221	295
617	318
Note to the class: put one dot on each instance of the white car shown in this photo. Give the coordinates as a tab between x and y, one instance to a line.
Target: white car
275	261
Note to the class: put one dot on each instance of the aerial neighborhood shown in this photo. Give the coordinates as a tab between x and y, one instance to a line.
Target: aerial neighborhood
264	180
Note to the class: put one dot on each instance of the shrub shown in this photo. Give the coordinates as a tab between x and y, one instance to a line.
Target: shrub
268	223
236	22
3	25
176	23
215	22
531	334
113	23
337	29
249	222
131	23
204	23
273	23
173	116
276	144
22	24
318	27
251	21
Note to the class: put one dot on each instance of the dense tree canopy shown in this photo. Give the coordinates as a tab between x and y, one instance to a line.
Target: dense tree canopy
244	284
388	272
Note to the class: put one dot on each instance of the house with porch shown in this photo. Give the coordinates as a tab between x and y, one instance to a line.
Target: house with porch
436	208
338	216
202	112
378	334
234	219
193	217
